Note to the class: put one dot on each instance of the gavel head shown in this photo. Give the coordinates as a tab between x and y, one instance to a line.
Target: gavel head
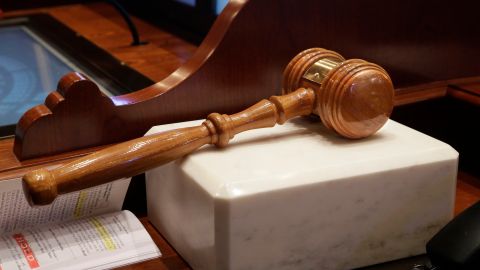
353	97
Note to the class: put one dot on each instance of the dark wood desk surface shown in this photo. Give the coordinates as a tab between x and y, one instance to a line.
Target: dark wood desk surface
99	23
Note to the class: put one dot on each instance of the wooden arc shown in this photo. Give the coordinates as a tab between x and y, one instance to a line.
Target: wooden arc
242	58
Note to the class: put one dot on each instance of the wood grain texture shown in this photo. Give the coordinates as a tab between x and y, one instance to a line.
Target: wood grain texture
433	90
103	26
468	191
240	60
136	156
467	92
62	103
100	23
355	99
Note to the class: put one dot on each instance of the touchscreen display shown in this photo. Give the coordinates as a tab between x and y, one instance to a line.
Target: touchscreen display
29	70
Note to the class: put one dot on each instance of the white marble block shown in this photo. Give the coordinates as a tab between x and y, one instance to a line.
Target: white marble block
299	197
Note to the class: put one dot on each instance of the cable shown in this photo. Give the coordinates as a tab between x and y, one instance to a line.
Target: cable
133	30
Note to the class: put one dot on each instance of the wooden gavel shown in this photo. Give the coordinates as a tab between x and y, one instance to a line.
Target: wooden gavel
352	97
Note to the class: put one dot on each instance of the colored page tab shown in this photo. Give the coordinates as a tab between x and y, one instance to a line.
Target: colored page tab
27	251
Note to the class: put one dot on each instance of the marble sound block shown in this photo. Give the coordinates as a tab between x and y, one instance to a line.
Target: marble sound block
299	197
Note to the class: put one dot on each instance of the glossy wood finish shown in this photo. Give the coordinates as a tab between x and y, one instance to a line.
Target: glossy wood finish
60	104
240	61
133	157
354	99
433	90
468	92
112	36
10	167
103	26
8	5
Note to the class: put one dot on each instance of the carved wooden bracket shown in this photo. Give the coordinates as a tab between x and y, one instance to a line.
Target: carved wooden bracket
76	111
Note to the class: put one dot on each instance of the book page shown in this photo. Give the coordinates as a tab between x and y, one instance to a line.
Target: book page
97	242
16	213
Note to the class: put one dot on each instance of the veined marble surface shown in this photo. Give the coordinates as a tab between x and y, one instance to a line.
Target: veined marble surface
299	197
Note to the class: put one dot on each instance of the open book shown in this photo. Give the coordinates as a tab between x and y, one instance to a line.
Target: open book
81	230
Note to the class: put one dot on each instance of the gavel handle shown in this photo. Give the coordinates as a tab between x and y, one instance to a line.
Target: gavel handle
136	156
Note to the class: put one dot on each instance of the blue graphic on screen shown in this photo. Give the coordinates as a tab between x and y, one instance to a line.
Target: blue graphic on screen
220	5
188	2
28	72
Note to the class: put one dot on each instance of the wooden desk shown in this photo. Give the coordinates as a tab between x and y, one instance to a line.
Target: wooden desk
164	53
